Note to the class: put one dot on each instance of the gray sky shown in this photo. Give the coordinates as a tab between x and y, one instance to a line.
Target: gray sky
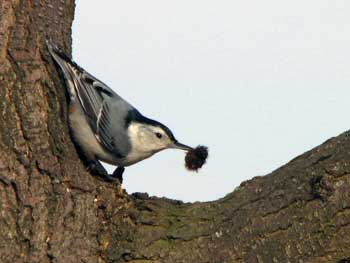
259	82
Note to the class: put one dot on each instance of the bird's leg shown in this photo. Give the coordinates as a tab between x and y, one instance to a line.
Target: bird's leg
118	173
96	168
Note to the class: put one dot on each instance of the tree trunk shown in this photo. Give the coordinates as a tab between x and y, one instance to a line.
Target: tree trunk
52	210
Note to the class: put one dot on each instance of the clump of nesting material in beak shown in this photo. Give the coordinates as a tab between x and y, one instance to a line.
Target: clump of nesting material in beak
196	158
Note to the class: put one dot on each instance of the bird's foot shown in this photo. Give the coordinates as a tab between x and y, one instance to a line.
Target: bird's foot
118	174
97	169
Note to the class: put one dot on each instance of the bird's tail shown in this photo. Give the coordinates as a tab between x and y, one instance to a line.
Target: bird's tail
68	67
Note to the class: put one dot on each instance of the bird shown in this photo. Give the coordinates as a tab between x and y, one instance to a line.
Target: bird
106	127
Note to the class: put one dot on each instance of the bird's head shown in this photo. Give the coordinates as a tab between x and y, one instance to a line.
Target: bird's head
148	136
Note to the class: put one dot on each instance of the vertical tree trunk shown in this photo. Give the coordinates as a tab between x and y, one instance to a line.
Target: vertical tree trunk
45	212
52	210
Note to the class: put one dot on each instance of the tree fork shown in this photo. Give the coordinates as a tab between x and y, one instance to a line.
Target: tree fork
53	210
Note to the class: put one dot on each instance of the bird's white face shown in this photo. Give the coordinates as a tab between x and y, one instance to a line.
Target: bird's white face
147	139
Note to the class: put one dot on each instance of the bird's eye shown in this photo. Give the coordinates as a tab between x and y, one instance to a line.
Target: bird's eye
159	135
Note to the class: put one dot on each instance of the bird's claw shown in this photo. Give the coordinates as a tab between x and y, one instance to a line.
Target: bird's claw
118	174
98	170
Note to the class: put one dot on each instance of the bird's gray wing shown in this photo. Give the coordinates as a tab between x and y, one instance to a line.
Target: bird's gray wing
105	110
91	94
111	127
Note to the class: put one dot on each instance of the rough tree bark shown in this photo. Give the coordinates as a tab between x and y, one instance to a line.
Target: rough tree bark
52	210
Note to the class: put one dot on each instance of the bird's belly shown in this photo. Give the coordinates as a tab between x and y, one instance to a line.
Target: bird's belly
86	139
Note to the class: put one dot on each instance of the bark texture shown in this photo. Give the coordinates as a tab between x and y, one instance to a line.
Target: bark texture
52	210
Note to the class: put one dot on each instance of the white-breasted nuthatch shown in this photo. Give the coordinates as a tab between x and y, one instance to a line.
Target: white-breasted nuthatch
105	126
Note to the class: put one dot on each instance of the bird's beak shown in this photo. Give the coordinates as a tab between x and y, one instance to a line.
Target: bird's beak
181	146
